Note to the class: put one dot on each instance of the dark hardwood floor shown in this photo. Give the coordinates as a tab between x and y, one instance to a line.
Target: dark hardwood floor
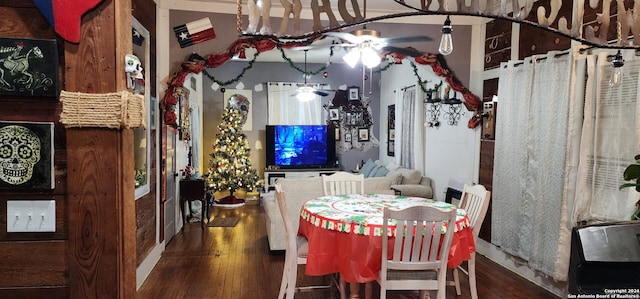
235	263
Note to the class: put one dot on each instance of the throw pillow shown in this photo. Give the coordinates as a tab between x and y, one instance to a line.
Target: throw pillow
410	176
380	172
395	176
367	167
373	171
392	166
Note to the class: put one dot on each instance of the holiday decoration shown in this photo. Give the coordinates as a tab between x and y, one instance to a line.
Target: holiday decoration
197	64
229	165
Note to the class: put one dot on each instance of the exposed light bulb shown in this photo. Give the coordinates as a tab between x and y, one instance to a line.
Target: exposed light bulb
616	74
370	57
352	57
446	42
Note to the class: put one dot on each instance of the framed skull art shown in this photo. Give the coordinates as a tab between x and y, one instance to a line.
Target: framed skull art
26	155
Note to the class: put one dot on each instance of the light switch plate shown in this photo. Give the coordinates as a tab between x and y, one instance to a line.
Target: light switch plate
31	216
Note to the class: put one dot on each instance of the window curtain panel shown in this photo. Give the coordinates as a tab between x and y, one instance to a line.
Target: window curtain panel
285	109
530	159
410	143
196	125
609	142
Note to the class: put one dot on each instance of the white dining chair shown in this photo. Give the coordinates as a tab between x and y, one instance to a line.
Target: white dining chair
295	254
420	253
475	201
342	183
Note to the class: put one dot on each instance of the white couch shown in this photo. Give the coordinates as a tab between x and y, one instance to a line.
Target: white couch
407	182
298	191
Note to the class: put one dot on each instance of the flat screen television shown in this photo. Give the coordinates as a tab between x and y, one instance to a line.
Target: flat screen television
300	146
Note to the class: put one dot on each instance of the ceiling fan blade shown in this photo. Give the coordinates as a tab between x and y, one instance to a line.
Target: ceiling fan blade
406	39
404	51
346	36
314	47
321	93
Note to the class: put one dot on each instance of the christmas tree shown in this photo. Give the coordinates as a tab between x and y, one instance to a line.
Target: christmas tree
229	165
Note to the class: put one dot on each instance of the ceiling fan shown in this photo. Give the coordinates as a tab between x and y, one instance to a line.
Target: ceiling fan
306	92
366	44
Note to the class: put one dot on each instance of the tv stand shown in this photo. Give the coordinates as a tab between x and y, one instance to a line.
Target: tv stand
271	175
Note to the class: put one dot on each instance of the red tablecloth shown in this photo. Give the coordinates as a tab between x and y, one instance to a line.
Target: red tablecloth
357	257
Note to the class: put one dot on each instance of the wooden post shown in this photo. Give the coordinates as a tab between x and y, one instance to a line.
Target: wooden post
101	207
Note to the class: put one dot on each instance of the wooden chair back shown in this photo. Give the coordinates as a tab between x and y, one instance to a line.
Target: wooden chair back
475	201
420	250
342	183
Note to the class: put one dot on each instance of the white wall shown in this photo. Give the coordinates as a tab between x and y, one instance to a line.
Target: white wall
450	151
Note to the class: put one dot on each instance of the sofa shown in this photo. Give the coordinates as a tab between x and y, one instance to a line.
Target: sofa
298	191
408	182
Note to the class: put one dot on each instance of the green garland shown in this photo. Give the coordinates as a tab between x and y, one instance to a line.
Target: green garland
236	79
294	66
420	82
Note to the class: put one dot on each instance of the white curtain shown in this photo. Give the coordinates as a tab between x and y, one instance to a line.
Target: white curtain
608	143
409	136
285	109
530	158
196	127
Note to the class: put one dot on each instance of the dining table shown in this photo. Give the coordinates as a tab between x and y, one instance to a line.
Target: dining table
344	234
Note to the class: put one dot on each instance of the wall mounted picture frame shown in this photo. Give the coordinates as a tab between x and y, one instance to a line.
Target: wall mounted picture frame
29	67
363	134
354	93
334	114
391	130
28	148
337	133
347	137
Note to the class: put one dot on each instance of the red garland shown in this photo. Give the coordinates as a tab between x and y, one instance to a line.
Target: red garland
261	45
470	99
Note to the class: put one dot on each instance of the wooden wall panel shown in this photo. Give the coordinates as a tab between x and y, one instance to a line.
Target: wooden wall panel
497	46
102	244
33	264
486	179
544	41
49	292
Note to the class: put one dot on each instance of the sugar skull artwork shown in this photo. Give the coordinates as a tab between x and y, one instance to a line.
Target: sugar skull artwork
22	147
19	152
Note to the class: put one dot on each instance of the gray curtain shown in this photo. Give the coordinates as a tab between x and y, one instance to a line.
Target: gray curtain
408	106
530	159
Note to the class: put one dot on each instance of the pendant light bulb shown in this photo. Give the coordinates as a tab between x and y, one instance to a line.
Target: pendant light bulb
616	73
446	42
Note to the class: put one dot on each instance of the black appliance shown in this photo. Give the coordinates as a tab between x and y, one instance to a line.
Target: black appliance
605	259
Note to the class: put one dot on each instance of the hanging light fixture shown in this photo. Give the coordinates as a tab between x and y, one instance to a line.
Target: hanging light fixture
616	73
446	42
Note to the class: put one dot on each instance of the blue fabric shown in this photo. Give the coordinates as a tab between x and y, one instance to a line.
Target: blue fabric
373	171
367	167
380	172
